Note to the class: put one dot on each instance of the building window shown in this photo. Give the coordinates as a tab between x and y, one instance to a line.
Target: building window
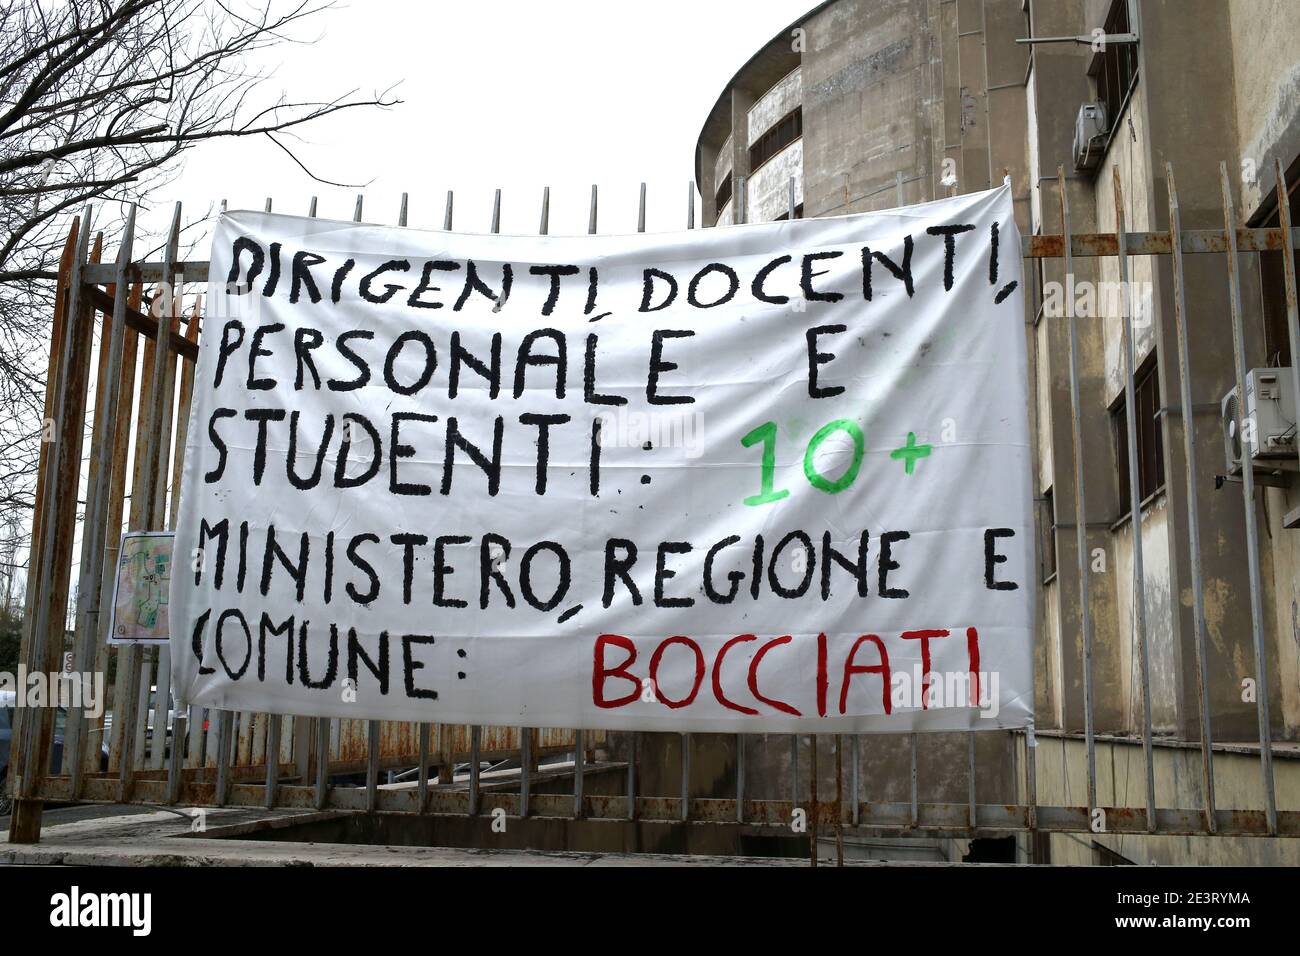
798	214
1115	67
1151	458
723	195
784	132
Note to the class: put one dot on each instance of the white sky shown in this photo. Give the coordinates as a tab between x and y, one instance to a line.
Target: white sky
510	93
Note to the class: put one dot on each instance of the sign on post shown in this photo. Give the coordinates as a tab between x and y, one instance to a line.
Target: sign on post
757	478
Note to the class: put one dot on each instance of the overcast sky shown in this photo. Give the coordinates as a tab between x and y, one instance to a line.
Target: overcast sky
504	93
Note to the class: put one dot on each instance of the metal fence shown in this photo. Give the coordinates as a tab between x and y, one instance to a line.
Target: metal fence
131	476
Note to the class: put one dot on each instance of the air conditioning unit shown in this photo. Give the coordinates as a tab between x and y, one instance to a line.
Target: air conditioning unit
1269	432
1090	129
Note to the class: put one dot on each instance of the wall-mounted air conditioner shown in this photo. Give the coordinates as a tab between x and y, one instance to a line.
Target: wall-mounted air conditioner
1268	435
1090	129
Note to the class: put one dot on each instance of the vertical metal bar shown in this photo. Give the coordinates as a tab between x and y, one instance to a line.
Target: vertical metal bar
95	528
579	762
686	778
813	813
146	496
1080	504
526	733
857	777
525	772
690	205
422	786
446	766
304	735
1031	772
740	778
272	758
794	738
1139	622
970	778
915	809
372	764
839	799
1248	501
174	758
640	214
322	761
475	743
28	761
1288	271
631	775
225	731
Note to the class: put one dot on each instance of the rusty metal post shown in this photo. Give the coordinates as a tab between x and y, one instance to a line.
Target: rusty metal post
34	726
1193	509
1248	501
1080	502
1139	622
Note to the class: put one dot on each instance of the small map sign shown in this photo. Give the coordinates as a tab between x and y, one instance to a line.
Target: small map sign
140	594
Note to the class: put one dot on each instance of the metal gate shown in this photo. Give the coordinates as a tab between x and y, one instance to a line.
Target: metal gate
136	438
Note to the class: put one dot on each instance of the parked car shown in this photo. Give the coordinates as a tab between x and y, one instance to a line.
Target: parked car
7	704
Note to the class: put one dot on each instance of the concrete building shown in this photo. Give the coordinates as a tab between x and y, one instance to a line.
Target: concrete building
869	104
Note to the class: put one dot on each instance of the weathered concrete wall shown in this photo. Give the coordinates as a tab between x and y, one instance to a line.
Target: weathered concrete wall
775	104
1266	88
769	185
871	77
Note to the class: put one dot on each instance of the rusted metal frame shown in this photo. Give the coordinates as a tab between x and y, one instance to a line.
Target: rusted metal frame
766	816
1248	500
140	322
35	726
148	271
1193	509
1194	242
1080	499
1139	619
72	249
146	497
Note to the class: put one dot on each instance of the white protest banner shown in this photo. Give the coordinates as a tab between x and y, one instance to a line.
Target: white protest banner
755	478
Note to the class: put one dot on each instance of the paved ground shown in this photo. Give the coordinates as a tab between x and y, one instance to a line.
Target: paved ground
146	836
